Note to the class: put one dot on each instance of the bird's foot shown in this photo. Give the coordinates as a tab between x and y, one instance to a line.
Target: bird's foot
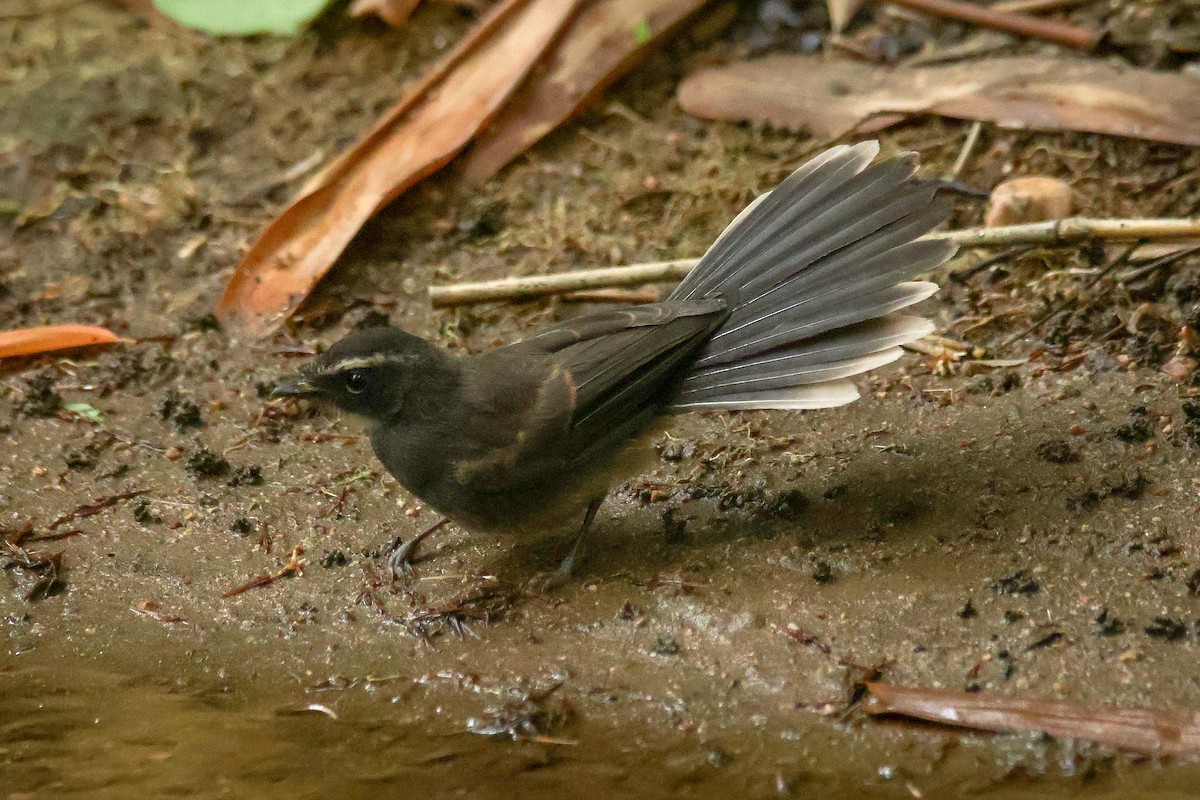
546	582
401	559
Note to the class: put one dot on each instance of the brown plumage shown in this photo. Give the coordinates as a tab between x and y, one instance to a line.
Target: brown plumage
798	294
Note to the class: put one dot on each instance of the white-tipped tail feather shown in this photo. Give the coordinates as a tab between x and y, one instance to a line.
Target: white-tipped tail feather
814	272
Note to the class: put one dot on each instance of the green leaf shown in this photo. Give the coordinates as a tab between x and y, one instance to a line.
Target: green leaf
642	31
242	17
87	411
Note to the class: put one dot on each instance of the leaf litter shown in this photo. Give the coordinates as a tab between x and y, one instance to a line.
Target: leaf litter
600	44
1147	731
418	136
52	338
838	97
487	89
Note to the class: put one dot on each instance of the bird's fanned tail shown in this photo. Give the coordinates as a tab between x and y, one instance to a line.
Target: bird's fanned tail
814	273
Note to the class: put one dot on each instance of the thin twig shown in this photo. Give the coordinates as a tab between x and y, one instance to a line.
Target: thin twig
294	566
1074	36
1046	234
1032	6
541	285
968	149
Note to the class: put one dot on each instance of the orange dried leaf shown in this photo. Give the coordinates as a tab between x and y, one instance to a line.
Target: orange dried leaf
604	42
29	341
393	12
1149	731
834	98
414	139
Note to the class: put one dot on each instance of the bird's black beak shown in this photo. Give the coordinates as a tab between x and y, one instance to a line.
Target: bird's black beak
296	387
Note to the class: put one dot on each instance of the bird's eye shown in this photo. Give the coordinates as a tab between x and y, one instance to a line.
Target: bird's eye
355	382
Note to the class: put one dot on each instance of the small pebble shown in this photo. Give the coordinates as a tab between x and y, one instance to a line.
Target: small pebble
1029	199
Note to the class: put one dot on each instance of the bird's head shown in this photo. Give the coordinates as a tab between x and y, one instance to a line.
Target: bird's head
375	373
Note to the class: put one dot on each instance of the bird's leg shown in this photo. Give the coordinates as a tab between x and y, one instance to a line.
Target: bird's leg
401	558
568	564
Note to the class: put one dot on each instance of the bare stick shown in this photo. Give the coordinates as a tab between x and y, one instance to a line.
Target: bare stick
1073	230
1073	36
1056	233
1032	6
542	285
968	149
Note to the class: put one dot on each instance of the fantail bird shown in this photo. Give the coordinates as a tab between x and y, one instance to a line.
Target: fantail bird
799	293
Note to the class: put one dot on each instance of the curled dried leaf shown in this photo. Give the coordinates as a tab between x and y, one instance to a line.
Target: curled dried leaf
51	338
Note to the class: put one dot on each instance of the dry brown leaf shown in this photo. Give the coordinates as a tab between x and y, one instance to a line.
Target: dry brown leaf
29	341
415	138
833	98
393	12
1142	730
600	45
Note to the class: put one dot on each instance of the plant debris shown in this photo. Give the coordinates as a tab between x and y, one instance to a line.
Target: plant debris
414	138
52	338
39	398
1059	33
294	566
49	569
1019	582
485	89
597	47
393	12
1168	629
1152	732
93	508
831	98
484	604
183	413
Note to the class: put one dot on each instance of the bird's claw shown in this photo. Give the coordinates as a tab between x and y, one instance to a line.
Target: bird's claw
401	559
545	582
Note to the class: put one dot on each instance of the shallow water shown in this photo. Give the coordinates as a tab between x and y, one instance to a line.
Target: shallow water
83	733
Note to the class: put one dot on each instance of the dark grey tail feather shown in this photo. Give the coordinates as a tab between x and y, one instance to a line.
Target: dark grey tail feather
811	297
880	333
848	351
814	272
801	193
871	205
847	310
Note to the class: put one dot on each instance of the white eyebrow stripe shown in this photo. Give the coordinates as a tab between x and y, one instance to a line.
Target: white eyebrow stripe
363	362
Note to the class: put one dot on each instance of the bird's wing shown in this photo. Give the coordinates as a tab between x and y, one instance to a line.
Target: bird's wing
620	365
600	380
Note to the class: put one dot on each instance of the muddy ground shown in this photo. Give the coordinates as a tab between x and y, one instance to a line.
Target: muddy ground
1027	530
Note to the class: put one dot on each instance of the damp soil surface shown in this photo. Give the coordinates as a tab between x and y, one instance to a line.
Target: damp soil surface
1022	522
